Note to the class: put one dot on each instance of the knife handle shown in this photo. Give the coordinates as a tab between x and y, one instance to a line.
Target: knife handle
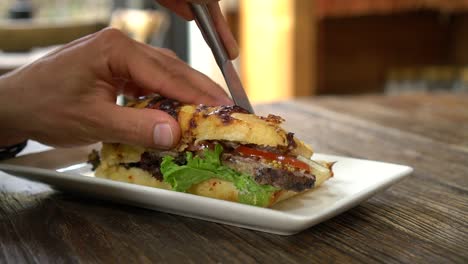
205	23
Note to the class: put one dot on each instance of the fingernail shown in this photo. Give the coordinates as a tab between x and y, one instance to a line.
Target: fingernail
234	52
162	135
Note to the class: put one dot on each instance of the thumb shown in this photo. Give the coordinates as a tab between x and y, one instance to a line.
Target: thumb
144	127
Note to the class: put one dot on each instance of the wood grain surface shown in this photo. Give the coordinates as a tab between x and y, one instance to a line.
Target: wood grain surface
423	219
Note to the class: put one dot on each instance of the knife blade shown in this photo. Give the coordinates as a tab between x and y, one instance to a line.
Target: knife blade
205	23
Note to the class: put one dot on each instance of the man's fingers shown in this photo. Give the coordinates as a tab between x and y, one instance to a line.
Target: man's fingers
142	127
166	52
202	1
174	79
179	7
224	31
182	8
198	80
153	70
188	85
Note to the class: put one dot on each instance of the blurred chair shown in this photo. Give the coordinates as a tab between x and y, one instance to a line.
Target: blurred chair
22	36
22	42
25	41
146	26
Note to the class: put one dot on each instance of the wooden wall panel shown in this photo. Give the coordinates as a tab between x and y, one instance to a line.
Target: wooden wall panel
266	48
355	53
277	41
458	49
304	72
289	48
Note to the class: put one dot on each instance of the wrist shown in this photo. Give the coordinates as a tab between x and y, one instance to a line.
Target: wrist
11	151
10	120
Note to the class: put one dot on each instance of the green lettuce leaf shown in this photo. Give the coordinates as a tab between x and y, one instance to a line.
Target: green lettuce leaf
207	166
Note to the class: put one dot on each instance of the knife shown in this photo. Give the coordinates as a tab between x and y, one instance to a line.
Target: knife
206	25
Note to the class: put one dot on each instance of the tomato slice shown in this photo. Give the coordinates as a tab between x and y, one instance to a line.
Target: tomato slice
258	153
285	160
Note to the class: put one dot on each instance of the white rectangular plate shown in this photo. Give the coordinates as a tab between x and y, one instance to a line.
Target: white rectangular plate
355	181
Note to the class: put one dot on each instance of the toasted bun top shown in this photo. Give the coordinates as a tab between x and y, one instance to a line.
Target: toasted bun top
226	123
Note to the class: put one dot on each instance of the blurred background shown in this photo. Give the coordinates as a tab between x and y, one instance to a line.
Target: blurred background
289	48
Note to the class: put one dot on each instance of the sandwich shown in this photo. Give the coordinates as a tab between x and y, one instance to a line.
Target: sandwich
224	153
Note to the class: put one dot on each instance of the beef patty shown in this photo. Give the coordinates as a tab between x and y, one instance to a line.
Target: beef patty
264	173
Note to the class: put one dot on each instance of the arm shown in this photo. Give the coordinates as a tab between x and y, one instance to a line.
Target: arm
181	7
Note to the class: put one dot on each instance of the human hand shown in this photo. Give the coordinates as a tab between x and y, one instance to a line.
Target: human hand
68	97
182	8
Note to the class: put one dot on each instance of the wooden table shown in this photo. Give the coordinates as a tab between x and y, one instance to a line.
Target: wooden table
423	219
